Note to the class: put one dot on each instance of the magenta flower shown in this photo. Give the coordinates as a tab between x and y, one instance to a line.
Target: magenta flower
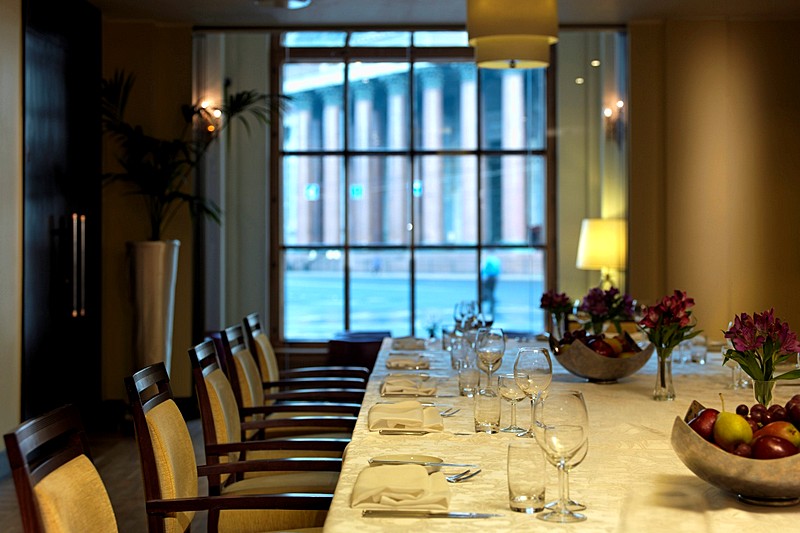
602	305
669	322
760	342
557	303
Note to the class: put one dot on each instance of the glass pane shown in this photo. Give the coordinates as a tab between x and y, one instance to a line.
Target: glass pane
378	106
313	300
299	39
513	199
380	38
445	98
514	293
312	200
445	193
380	291
514	109
443	278
379	195
440	38
314	117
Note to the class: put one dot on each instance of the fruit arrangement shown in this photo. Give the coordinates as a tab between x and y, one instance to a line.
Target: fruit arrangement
620	346
757	432
760	482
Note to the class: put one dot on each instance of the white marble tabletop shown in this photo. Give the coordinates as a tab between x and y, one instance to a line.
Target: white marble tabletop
631	479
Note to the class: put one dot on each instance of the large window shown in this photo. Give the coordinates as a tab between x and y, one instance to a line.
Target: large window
410	180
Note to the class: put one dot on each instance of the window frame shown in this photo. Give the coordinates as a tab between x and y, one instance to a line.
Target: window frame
276	247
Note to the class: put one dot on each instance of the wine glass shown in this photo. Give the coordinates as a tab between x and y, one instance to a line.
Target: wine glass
563	421
510	392
490	345
533	372
577	459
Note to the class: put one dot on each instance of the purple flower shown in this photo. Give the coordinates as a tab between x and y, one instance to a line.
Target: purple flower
602	305
763	332
557	303
669	322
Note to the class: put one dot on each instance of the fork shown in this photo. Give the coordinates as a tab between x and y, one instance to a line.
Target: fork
463	476
449	412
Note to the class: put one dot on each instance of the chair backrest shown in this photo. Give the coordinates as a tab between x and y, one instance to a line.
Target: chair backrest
219	411
54	477
261	347
241	368
169	469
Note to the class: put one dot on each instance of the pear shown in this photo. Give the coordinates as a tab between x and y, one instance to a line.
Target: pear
731	429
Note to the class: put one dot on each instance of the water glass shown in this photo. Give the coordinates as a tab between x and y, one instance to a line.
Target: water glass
468	375
527	477
487	410
699	353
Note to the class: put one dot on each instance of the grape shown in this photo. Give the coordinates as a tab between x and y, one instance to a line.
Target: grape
742	410
778	414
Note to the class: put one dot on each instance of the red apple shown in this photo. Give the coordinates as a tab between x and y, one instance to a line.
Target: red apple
770	447
782	429
704	422
602	347
743	450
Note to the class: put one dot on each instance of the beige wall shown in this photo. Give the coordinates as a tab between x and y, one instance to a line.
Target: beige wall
10	213
714	158
161	58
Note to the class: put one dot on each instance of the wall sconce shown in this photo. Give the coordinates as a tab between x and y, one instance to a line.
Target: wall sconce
512	33
603	245
614	120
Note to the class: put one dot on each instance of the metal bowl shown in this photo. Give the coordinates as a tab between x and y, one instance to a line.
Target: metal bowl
772	482
584	362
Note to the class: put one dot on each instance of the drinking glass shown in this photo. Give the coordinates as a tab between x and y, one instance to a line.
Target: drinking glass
510	392
577	459
533	372
563	421
490	345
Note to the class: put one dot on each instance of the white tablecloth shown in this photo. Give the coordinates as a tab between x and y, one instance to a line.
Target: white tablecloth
631	480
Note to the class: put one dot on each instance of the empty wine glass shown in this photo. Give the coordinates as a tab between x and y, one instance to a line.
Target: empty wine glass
510	392
533	372
563	421
490	345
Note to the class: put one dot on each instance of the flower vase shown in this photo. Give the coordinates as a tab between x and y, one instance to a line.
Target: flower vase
763	391
558	325
664	390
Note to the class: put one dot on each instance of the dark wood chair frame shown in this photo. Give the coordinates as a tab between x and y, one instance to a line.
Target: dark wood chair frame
204	360
150	387
37	448
252	328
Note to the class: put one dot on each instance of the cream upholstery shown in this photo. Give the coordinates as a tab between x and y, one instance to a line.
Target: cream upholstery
266	356
64	496
175	462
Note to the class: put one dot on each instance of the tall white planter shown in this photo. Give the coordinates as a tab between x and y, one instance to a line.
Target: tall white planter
154	271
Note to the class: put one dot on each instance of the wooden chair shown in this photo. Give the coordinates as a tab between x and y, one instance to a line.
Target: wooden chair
170	473
258	343
55	479
223	421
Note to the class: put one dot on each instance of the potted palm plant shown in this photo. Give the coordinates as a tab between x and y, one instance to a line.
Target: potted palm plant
159	172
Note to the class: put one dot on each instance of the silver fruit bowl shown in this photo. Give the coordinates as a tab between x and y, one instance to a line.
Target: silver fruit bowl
772	482
584	362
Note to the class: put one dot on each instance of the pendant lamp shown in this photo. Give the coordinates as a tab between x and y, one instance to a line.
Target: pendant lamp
512	33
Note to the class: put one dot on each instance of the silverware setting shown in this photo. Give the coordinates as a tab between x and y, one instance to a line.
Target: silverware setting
416	432
462	476
423	514
423	463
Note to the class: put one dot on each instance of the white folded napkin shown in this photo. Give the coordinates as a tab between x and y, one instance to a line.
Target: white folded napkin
404	415
409	343
407	385
400	487
399	361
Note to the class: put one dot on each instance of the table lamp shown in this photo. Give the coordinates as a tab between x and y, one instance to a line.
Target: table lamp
603	246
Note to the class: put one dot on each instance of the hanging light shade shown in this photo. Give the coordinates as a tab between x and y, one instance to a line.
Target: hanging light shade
512	33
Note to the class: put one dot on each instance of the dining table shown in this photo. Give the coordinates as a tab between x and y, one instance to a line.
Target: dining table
630	480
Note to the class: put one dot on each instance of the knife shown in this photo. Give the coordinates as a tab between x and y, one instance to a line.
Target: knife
393	431
423	463
423	514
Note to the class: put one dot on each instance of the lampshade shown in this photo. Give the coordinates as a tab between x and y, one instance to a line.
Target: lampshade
602	244
512	33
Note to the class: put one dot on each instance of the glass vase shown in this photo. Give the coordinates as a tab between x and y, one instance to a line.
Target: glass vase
664	391
762	390
558	325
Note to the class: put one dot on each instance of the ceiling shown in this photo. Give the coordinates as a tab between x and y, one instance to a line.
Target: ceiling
244	13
